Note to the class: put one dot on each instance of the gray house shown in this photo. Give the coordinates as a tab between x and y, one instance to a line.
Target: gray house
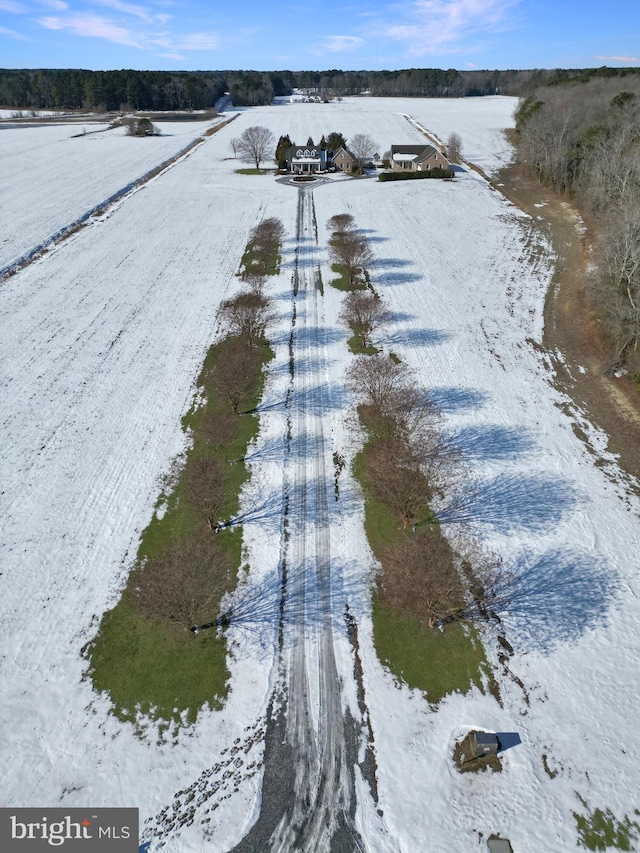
416	158
304	159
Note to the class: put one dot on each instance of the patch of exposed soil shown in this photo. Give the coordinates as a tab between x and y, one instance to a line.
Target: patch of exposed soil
572	326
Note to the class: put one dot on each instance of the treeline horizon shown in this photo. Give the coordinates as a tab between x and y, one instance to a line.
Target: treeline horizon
585	143
176	90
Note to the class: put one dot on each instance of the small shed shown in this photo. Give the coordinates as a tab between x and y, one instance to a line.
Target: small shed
499	845
484	743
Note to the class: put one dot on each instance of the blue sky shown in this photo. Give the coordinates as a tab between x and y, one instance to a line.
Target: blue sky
193	34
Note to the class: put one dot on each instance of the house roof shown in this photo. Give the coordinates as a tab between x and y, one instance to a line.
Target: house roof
304	154
412	152
346	151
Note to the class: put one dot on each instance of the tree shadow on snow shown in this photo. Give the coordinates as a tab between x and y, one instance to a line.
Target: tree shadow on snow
553	598
418	337
297	598
511	502
451	400
393	279
492	442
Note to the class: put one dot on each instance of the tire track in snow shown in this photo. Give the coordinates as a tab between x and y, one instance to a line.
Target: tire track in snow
308	799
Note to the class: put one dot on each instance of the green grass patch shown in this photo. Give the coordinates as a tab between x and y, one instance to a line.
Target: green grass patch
250	263
395	358
253	171
342	282
143	664
602	830
355	345
433	661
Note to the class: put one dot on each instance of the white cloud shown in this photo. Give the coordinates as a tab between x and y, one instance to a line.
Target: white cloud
5	31
135	10
55	5
92	26
439	26
177	56
190	41
11	7
337	44
618	58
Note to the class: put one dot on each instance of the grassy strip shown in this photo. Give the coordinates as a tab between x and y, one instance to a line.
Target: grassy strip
218	127
251	264
253	171
342	282
433	661
355	345
142	663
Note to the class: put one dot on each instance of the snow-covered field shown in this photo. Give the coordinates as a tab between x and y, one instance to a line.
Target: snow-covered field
53	174
100	343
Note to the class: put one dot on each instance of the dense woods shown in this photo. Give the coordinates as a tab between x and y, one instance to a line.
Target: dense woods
582	138
177	90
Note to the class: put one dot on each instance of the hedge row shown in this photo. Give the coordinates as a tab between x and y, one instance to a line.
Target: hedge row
412	176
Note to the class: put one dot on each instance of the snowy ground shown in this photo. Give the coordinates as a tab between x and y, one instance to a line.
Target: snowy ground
101	341
53	174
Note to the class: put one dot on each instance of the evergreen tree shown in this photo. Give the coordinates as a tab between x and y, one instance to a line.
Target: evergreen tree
281	151
335	141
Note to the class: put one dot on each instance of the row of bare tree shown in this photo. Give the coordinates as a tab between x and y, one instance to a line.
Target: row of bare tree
406	464
584	140
182	585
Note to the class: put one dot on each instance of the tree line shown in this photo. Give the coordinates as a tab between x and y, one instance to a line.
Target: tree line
182	583
406	460
176	90
582	138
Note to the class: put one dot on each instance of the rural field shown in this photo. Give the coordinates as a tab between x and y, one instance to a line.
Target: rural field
320	742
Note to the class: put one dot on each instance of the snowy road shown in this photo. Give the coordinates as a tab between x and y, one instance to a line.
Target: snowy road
320	750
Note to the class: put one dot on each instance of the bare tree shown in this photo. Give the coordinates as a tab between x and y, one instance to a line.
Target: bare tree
352	251
218	429
183	586
234	145
206	488
265	241
236	370
397	480
619	286
378	380
256	144
420	578
268	230
247	314
255	279
362	146
341	222
454	148
364	314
